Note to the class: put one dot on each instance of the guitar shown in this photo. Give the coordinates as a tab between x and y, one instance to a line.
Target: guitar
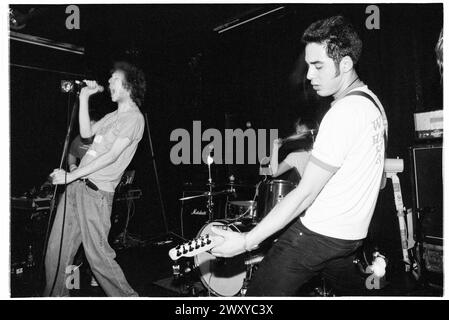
195	246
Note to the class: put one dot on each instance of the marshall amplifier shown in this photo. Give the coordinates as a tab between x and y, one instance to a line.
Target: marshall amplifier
427	182
194	213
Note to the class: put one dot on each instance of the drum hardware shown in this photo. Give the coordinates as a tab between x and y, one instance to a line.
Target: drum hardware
184	278
249	208
207	194
220	276
273	192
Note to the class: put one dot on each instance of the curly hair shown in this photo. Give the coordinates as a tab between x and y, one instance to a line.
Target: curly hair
134	80
338	35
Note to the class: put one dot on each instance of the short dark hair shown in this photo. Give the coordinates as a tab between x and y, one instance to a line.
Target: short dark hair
340	38
134	80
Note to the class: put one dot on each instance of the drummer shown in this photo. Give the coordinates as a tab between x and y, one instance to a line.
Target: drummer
304	130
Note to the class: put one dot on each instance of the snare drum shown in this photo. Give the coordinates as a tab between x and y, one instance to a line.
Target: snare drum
241	210
221	276
271	193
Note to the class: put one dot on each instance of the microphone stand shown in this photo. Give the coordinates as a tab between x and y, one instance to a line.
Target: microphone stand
55	187
167	236
210	203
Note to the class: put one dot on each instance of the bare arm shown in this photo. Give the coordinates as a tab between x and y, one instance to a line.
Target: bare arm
276	168
84	119
315	178
102	161
298	200
86	130
72	162
283	167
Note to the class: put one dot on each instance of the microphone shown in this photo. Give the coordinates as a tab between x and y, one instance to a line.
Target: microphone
82	84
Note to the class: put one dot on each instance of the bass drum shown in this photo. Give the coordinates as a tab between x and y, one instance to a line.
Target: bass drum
221	276
270	194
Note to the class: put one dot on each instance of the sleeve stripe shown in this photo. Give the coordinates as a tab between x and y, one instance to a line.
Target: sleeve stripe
323	165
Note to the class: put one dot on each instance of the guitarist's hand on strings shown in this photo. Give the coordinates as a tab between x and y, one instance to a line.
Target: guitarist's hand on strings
234	243
58	176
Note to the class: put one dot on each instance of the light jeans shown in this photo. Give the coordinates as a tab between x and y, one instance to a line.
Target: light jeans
87	221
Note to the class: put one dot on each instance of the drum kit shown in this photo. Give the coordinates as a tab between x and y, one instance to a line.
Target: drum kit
230	276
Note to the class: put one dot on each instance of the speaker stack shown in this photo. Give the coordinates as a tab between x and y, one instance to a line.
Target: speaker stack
427	182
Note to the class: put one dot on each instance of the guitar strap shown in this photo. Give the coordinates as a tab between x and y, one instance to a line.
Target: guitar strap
368	96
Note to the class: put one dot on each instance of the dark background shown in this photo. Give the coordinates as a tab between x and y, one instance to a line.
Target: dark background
254	73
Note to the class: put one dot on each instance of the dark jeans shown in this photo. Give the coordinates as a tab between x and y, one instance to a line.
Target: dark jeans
299	255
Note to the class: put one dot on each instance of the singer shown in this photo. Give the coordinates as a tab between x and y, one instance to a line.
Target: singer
299	158
337	194
90	187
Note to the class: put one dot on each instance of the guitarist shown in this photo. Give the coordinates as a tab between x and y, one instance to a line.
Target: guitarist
341	182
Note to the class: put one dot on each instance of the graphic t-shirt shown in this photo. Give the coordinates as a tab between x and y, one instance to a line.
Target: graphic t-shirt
113	125
351	144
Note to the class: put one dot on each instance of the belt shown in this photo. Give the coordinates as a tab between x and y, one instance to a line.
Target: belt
90	184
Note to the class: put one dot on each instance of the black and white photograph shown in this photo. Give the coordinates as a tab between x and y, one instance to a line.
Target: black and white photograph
225	150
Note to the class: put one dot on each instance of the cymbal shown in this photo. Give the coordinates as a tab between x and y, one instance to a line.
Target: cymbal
206	194
240	185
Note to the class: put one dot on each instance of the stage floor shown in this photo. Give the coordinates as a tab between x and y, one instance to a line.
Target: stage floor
149	271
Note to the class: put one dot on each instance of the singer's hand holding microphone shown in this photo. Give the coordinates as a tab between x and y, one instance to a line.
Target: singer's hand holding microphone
90	87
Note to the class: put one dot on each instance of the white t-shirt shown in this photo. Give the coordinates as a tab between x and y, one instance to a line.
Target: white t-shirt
298	160
350	143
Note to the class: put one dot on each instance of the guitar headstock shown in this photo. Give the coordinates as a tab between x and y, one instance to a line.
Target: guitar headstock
195	246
